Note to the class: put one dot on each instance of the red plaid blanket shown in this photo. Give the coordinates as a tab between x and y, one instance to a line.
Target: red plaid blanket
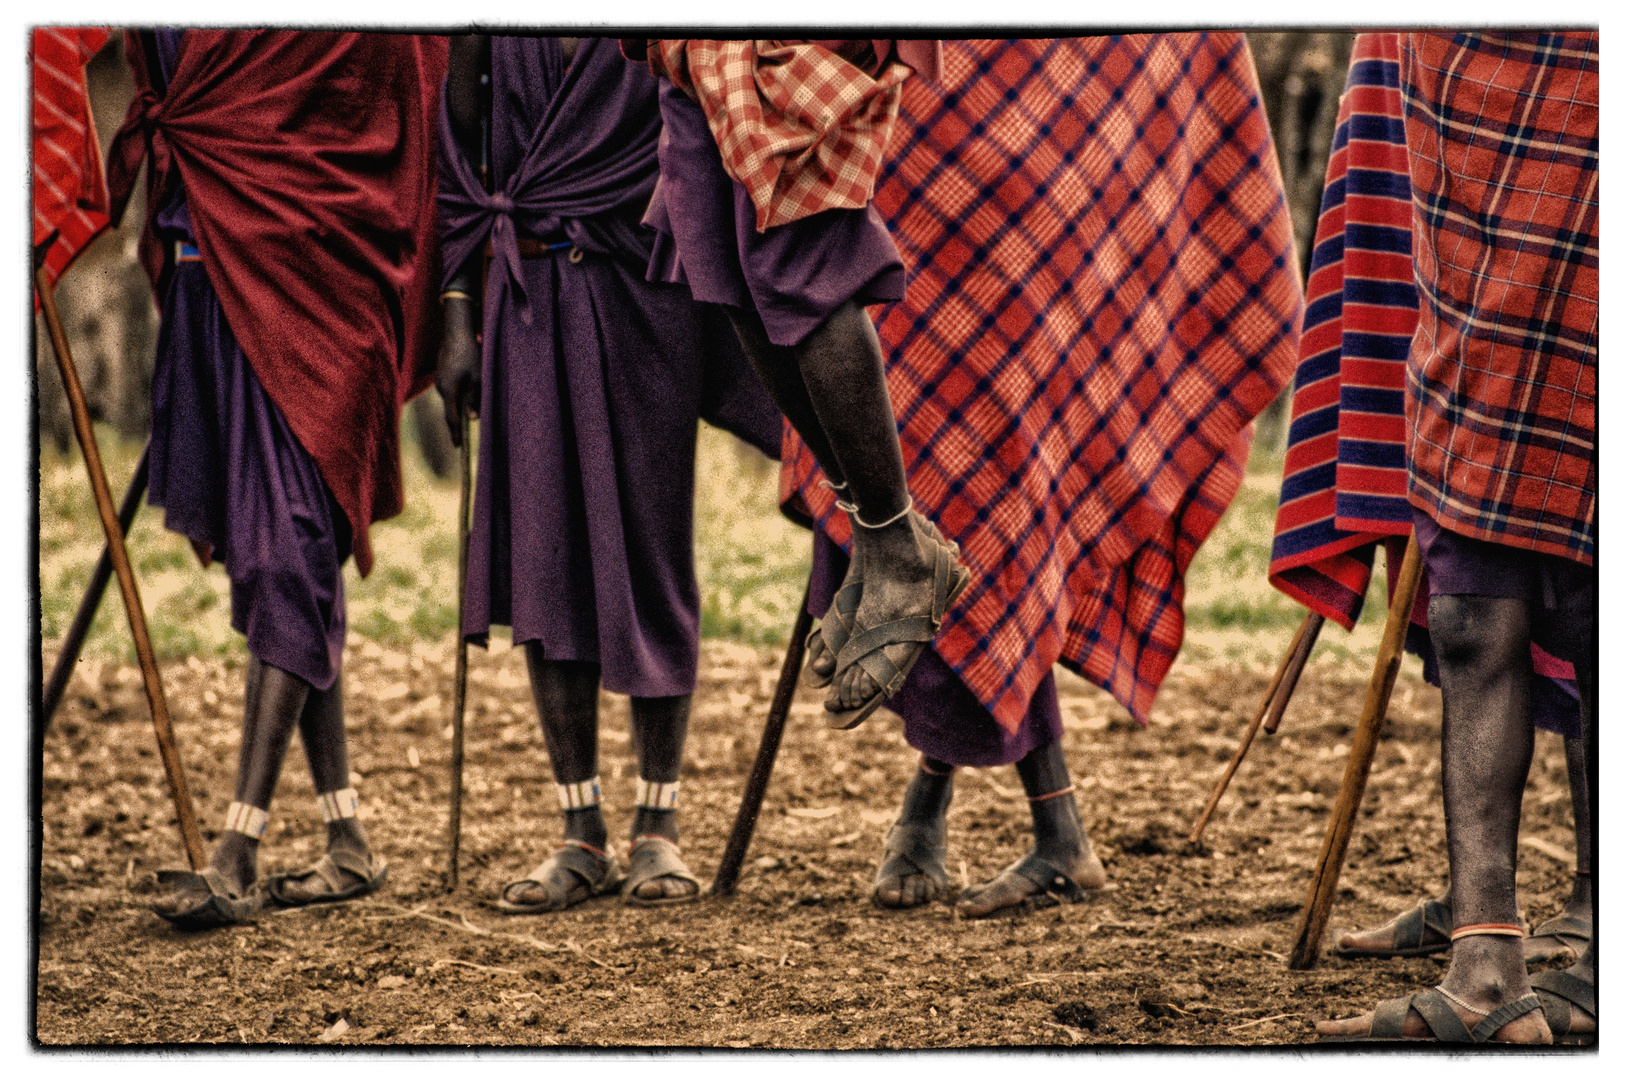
1102	297
1502	130
802	125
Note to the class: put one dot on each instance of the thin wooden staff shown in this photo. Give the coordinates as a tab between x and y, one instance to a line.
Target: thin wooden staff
1289	683
1323	886
459	695
750	805
74	641
185	812
1252	727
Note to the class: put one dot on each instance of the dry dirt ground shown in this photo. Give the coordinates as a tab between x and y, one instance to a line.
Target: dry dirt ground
1182	947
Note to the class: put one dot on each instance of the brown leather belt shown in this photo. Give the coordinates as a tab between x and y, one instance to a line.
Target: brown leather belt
532	248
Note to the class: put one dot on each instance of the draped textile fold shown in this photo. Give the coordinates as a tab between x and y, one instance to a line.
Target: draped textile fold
307	165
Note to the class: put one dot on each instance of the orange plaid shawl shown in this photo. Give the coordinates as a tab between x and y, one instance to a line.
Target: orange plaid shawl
802	125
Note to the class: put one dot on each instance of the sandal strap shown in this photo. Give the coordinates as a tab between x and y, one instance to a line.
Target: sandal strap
586	862
654	857
1564	926
1413	926
1486	1028
925	848
1048	877
867	649
1568	988
1440	1017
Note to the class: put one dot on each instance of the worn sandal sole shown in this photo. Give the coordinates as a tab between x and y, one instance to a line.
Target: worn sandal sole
611	880
354	892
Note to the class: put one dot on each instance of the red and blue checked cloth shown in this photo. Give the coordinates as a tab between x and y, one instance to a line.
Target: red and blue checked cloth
1502	388
1102	297
1344	483
802	125
70	189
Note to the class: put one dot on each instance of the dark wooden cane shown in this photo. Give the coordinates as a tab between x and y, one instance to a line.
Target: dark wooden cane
459	696
750	805
1252	730
68	655
1289	682
185	812
1317	907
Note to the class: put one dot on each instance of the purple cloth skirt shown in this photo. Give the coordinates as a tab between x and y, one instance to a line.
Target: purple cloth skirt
794	276
230	474
941	717
1560	594
583	537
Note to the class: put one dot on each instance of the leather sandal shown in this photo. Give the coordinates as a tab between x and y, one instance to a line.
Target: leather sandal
1411	934
1388	1020
1052	886
835	629
330	868
224	905
651	858
1560	994
832	631
573	873
1573	934
914	849
867	644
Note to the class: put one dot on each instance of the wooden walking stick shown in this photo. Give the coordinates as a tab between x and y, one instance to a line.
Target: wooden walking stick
750	805
1323	886
1270	696
1289	682
74	641
459	695
185	812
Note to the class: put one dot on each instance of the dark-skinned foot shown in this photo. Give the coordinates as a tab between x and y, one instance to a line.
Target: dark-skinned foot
656	872
234	860
347	871
1421	931
911	576
1528	1029
1040	879
914	866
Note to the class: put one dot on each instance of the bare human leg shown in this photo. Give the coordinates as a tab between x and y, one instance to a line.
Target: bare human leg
659	729
832	387
273	701
1483	645
914	870
1061	863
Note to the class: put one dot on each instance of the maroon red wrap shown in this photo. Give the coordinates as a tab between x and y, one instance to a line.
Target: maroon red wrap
308	165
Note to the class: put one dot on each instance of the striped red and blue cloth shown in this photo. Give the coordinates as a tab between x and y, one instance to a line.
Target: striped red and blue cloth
1102	297
1344	483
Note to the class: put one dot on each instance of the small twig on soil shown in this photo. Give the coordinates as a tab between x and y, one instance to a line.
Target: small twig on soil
470	928
1263	1020
477	967
1071	1032
585	955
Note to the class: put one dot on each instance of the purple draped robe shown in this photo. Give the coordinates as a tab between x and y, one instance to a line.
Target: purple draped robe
593	378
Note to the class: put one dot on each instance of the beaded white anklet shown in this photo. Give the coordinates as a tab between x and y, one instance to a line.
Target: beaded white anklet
580	795
343	803
657	796
248	820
